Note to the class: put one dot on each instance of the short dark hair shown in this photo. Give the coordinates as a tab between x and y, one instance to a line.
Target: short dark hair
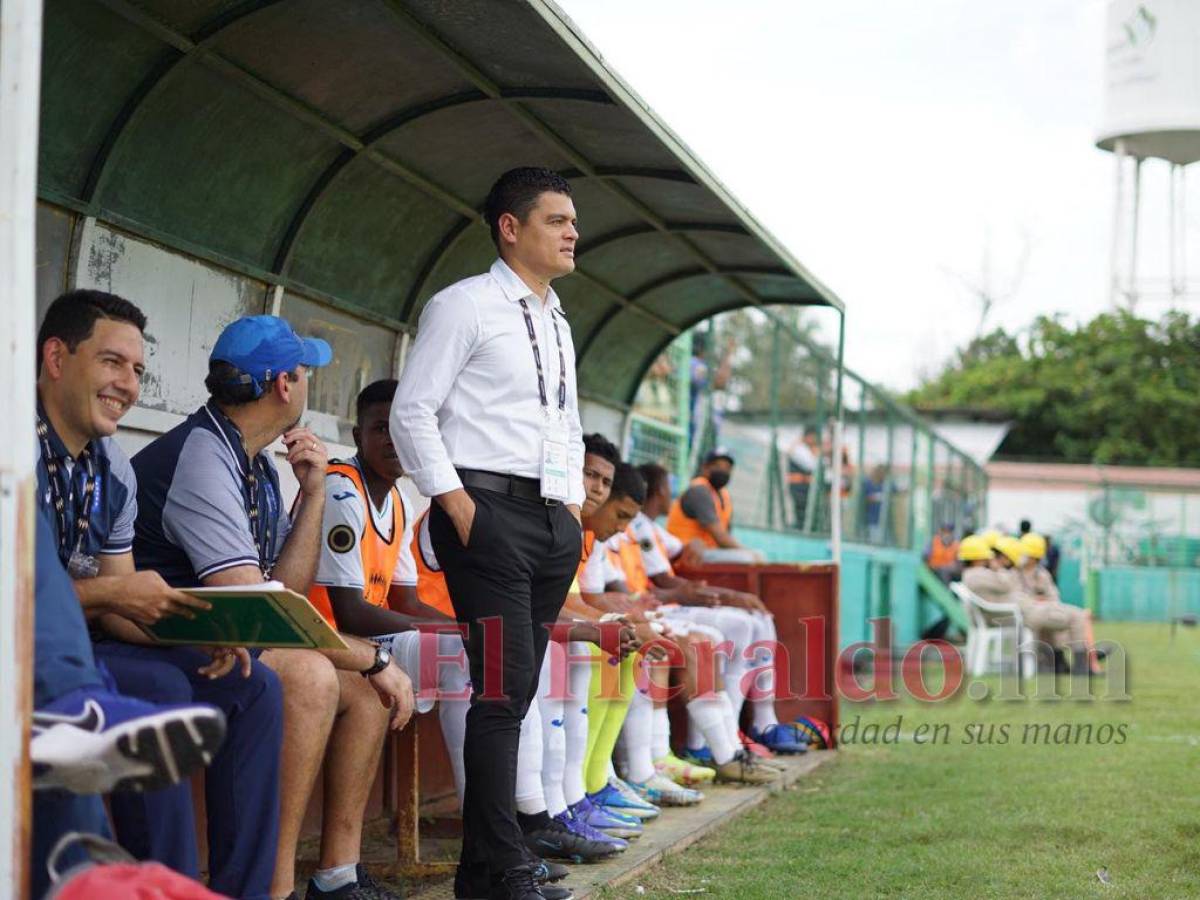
517	192
598	445
628	482
72	316
228	385
1025	526
654	475
381	391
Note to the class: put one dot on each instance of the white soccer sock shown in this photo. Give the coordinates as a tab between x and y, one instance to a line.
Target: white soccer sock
329	880
636	736
738	627
764	707
575	724
732	726
452	714
708	715
530	797
554	738
661	733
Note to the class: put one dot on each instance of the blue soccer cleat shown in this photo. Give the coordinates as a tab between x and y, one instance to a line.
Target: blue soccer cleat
782	737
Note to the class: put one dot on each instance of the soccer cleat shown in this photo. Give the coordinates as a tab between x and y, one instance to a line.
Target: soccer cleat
606	820
781	738
94	741
683	772
548	872
745	769
620	797
761	754
558	841
661	790
583	829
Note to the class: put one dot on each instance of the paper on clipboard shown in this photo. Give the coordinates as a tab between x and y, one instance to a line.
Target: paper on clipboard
252	615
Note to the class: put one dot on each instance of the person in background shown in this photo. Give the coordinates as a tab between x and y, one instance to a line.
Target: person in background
941	554
802	460
704	512
1052	557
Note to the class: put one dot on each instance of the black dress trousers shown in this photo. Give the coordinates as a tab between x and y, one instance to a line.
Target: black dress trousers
507	584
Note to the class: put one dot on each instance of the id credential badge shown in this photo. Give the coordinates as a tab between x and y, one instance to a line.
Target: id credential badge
555	478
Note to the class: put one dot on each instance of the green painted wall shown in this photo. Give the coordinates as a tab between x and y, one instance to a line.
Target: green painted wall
875	581
1142	594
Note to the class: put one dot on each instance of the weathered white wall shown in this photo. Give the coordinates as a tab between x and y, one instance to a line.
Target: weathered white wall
20	53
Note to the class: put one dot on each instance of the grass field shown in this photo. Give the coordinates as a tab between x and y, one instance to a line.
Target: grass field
959	819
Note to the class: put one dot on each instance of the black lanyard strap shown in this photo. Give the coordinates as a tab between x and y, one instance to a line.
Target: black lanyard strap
56	470
537	359
261	527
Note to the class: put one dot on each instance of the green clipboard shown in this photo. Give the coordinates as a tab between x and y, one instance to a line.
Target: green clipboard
253	615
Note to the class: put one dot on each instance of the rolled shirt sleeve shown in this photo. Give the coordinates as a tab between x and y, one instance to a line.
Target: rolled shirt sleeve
446	334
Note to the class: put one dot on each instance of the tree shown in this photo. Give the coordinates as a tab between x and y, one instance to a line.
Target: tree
1118	389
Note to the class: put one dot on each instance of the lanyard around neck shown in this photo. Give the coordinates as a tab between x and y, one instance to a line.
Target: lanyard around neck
537	359
262	527
60	498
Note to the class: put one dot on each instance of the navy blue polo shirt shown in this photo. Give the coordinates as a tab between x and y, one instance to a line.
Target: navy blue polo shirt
203	505
113	505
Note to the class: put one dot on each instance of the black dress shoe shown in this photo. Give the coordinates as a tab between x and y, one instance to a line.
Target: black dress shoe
517	883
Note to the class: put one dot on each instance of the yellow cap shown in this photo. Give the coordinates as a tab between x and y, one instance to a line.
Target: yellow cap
1011	548
991	536
973	548
1034	545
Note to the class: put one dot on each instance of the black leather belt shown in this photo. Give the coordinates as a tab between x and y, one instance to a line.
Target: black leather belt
513	485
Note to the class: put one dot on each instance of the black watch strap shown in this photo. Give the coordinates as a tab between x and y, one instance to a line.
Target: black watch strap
383	657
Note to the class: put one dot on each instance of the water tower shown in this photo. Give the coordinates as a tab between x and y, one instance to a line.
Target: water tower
1151	111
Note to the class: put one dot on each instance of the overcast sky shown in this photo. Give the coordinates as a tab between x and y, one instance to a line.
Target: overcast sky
888	142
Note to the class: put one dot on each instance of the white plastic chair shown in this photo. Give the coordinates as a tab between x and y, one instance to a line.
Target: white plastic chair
985	638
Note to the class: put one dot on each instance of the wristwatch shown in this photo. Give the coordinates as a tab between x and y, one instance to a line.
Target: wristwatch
383	657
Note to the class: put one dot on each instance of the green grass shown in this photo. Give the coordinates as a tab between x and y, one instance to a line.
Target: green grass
958	820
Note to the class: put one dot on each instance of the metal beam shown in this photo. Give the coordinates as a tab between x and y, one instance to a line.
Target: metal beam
547	135
635	230
293	107
388	126
628	172
696	271
181	49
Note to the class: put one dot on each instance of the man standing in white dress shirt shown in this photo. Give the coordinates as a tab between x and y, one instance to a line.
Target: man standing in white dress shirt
486	423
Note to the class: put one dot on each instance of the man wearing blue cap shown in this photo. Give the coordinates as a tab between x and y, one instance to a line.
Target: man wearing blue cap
211	513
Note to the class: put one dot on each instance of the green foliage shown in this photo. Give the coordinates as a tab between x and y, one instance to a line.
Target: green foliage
1118	389
799	371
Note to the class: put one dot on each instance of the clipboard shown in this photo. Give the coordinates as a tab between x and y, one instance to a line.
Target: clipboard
252	615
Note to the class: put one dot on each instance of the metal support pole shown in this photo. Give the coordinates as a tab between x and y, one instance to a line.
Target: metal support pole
1131	292
20	81
818	474
1173	239
1114	262
773	473
835	489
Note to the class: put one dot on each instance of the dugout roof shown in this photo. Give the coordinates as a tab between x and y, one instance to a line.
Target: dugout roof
343	150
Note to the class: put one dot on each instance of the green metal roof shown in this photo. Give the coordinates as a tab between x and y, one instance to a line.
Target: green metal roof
343	150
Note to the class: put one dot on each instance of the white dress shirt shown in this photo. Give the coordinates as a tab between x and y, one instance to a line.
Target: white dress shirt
468	396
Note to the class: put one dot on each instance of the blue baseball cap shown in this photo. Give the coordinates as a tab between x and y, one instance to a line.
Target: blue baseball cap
264	347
